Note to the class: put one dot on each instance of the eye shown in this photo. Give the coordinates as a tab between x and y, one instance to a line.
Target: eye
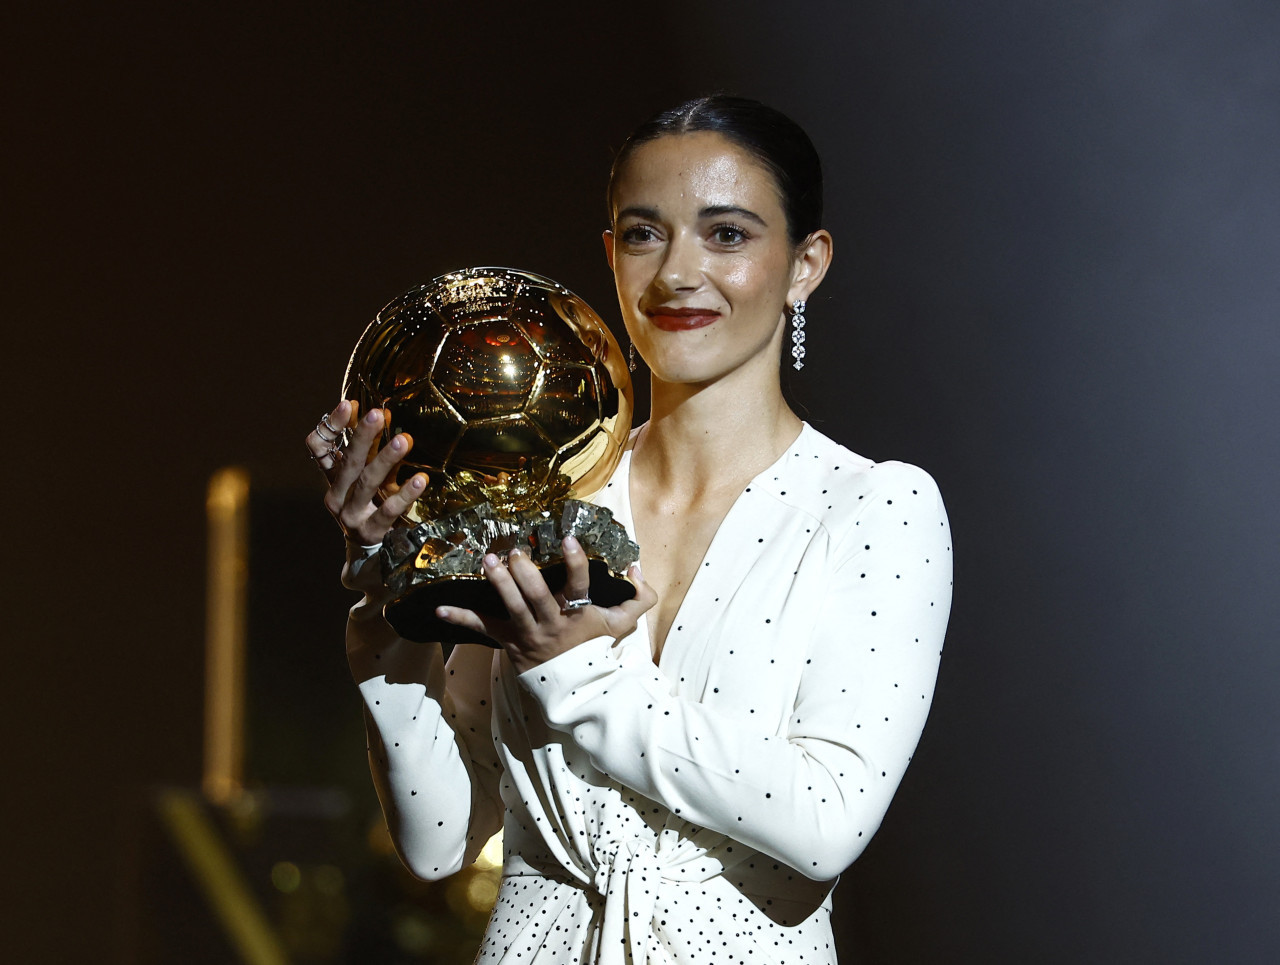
638	234
728	235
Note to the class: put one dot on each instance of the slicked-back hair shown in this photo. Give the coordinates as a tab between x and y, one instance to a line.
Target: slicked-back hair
768	135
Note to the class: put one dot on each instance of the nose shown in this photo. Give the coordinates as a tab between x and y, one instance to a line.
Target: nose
681	268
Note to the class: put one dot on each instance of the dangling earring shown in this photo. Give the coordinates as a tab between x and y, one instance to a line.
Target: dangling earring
797	333
631	355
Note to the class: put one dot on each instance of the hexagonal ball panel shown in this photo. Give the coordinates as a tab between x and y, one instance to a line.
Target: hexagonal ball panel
486	370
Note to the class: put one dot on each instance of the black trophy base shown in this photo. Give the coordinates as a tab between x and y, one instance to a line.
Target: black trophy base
413	616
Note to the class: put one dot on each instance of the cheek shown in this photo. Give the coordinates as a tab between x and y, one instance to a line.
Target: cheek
740	276
626	273
756	278
631	280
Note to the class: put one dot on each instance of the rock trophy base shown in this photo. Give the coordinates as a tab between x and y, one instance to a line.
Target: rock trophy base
440	563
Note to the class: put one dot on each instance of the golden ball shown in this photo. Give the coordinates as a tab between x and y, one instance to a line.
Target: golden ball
496	371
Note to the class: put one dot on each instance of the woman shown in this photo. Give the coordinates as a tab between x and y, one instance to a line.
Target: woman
682	777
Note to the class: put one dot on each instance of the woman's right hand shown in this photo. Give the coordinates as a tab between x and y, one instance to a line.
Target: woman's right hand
363	495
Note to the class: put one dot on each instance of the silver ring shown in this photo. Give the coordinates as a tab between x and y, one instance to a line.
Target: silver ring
577	604
322	425
333	452
324	421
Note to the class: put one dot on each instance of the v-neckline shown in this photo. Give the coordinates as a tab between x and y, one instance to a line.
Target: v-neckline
627	518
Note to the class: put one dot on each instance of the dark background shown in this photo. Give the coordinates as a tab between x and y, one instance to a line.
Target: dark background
1056	288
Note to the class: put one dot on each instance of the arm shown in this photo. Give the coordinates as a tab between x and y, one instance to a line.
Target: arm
428	725
813	796
430	745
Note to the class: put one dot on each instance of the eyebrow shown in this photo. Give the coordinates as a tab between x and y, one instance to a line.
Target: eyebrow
711	211
635	211
718	210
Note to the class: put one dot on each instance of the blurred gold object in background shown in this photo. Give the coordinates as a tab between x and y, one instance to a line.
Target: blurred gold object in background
226	620
285	857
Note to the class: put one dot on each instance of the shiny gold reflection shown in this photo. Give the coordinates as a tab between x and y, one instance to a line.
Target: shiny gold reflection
494	370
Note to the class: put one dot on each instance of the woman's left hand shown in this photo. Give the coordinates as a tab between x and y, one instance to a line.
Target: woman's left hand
539	626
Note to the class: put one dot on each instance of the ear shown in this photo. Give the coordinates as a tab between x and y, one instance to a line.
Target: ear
811	265
607	238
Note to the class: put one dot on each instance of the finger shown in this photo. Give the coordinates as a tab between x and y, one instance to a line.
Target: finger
460	617
379	470
508	592
398	503
533	587
363	441
352	416
577	582
321	442
645	596
354	458
322	435
376	501
370	525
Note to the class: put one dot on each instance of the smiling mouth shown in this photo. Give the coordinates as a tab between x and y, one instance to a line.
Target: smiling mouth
681	319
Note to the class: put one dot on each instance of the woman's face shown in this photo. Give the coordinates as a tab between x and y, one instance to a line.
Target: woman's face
701	257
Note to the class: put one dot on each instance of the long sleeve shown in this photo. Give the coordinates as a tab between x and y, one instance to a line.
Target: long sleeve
812	791
428	727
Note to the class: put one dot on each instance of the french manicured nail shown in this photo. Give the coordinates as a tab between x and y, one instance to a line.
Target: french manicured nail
514	553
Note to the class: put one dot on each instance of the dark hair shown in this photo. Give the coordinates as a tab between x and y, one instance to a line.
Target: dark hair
772	138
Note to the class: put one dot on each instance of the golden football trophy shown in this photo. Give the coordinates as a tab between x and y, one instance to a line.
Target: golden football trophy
518	399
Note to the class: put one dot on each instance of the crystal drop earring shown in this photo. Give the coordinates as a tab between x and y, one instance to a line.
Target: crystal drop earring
797	333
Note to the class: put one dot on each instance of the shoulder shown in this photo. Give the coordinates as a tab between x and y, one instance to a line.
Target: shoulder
839	487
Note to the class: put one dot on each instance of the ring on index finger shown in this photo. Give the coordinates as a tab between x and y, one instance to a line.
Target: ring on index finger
578	604
333	452
325	424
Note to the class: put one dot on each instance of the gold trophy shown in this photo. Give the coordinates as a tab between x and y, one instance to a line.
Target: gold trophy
518	399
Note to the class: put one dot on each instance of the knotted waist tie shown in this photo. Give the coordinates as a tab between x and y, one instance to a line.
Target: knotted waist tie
628	877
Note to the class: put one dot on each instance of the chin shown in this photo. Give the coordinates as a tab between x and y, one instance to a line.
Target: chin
687	369
681	366
690	374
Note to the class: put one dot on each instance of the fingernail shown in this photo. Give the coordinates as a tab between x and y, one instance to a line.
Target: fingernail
571	542
397	443
490	560
373	416
442	612
417	482
639	573
513	553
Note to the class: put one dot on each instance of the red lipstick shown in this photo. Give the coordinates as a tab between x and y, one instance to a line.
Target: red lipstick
681	319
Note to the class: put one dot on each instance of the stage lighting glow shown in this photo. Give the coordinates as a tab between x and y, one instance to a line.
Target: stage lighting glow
482	891
490	857
286	876
329	880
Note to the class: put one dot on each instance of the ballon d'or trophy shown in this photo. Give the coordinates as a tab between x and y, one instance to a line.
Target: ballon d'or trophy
518	399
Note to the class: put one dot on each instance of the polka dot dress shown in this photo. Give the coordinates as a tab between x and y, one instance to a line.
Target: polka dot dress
700	810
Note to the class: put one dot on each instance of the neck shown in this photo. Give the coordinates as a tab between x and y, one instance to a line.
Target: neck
702	437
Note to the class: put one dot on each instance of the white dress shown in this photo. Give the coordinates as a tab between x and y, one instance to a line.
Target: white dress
698	811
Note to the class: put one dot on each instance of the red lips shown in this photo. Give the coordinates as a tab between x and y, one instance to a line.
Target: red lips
681	319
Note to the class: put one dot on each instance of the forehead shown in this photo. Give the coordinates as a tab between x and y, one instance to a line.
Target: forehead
701	168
